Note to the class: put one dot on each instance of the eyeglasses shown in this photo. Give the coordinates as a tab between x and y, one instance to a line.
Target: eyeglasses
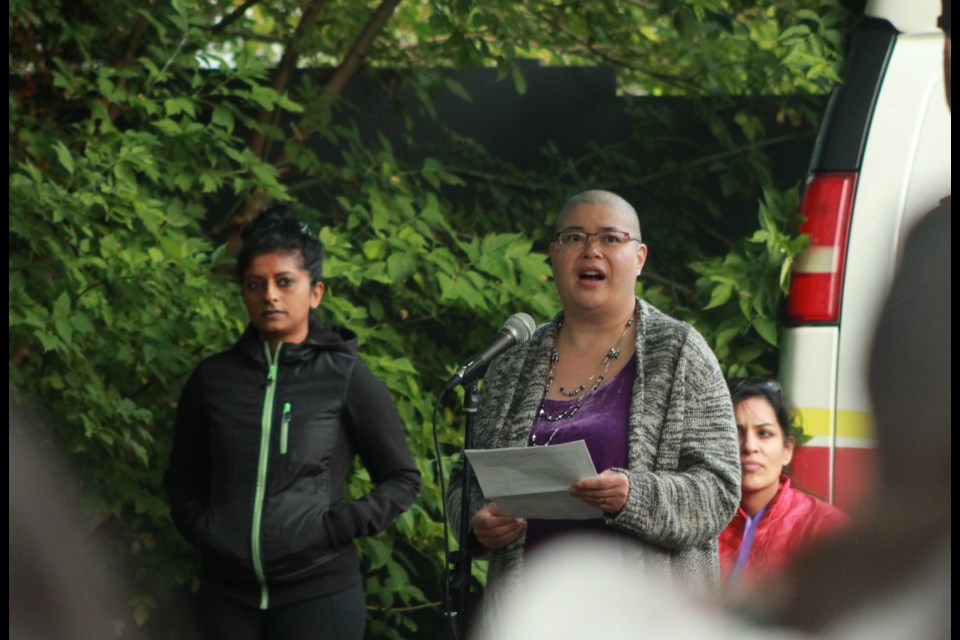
759	383
610	239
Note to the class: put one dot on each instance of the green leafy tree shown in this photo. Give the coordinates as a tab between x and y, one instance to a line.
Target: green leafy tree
144	135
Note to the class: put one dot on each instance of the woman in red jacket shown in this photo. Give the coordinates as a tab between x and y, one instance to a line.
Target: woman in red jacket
774	519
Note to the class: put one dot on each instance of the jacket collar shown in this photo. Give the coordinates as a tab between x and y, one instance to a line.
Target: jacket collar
321	337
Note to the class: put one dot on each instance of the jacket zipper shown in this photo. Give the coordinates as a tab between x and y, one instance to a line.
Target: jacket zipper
266	424
285	428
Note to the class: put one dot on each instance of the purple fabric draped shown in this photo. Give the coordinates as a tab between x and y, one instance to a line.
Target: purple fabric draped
602	423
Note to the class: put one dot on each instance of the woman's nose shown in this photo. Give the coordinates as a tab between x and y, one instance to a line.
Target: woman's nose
591	246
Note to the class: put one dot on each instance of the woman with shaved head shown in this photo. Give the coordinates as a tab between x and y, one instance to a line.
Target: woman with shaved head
642	389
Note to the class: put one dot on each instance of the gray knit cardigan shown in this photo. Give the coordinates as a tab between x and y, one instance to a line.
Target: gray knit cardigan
683	458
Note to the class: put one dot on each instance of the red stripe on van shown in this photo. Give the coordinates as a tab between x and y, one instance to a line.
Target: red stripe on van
854	474
810	470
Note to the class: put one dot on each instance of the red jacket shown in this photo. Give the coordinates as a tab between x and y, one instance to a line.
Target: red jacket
792	519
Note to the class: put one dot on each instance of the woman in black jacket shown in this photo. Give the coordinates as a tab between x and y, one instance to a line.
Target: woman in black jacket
266	435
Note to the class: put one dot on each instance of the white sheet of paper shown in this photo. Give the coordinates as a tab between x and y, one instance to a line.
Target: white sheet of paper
533	482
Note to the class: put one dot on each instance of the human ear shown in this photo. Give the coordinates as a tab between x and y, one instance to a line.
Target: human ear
316	295
788	449
641	257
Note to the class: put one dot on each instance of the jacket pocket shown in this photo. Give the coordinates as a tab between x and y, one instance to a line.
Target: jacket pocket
285	427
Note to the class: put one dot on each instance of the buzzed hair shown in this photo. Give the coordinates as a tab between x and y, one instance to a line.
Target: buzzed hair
598	196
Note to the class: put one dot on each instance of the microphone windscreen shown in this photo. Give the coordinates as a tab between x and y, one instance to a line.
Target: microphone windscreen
520	325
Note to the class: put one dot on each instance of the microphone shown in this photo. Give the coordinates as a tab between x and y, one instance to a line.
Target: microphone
516	330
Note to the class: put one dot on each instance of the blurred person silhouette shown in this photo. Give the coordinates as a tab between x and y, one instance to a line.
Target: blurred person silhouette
59	586
642	389
579	587
774	519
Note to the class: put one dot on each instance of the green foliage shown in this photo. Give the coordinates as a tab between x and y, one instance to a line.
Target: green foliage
132	135
689	47
744	289
416	292
111	295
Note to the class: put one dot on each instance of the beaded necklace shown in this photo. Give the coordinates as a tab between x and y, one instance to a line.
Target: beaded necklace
569	412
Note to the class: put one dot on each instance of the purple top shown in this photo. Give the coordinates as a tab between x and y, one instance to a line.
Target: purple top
602	423
749	531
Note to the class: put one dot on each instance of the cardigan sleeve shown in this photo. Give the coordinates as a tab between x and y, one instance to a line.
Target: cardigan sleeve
685	471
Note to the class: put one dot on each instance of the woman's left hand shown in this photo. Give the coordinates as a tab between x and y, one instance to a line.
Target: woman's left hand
607	491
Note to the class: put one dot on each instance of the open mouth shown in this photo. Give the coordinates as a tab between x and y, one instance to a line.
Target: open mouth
592	276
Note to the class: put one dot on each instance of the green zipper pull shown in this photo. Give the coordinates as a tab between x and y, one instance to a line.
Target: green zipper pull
273	361
285	427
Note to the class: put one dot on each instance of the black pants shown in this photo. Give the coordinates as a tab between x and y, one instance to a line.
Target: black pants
338	616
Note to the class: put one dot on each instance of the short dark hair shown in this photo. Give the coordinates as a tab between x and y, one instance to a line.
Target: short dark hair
279	230
944	20
770	390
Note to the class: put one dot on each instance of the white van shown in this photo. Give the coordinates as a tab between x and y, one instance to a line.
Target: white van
882	159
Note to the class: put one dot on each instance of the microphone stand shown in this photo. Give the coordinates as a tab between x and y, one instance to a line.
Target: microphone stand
459	575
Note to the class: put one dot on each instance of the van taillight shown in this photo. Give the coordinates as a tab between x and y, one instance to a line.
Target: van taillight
817	278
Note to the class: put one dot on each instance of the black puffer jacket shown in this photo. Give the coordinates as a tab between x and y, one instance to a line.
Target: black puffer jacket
263	444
